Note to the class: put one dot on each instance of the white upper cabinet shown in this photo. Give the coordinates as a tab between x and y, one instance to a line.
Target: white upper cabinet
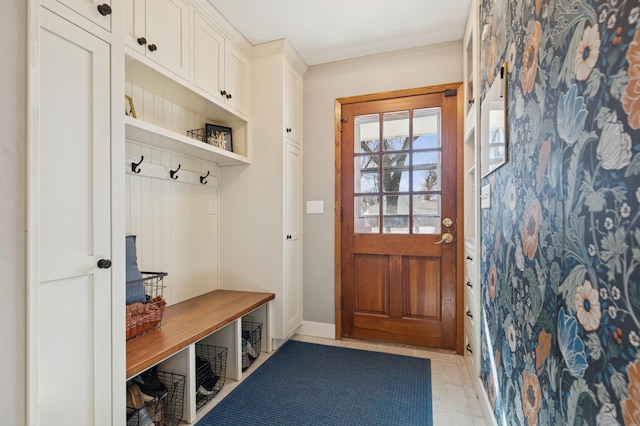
292	104
159	30
208	57
219	68
236	66
92	15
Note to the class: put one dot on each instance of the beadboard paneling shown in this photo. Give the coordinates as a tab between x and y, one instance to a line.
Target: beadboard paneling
157	110
175	231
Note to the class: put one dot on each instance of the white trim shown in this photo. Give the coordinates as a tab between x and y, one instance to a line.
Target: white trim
281	46
483	398
317	329
118	195
33	208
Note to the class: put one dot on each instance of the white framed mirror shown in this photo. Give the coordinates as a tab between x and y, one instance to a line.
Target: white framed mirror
493	125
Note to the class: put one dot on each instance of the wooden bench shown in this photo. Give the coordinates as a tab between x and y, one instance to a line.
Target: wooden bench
188	322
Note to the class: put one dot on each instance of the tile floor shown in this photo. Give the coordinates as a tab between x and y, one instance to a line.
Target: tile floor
454	400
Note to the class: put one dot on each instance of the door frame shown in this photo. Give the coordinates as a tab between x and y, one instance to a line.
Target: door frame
459	189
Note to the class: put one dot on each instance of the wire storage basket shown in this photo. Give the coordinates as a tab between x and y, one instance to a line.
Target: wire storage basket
165	408
211	372
198	134
251	342
145	314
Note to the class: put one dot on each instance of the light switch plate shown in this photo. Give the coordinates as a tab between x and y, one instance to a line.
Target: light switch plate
315	207
485	196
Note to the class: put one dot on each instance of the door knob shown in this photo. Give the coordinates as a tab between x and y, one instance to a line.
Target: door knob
104	264
104	9
446	238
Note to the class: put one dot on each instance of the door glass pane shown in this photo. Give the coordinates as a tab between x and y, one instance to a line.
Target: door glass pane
395	172
426	171
367	133
395	210
366	173
426	214
426	128
367	214
402	169
395	131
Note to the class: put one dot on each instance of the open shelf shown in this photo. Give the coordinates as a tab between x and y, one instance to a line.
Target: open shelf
150	134
168	107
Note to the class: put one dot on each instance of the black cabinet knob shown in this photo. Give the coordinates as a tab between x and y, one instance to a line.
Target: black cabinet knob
229	96
104	264
142	41
223	93
104	9
472	101
470	258
153	47
289	237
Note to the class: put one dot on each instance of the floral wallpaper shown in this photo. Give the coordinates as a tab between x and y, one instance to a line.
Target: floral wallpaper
561	241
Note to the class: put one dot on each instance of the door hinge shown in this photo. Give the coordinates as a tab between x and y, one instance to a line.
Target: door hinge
342	120
449	93
341	214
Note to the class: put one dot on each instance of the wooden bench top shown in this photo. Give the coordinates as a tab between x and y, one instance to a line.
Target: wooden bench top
187	322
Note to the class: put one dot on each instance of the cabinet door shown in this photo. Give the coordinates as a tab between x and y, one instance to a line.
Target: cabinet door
134	25
89	9
236	73
167	35
292	104
292	294
72	307
208	58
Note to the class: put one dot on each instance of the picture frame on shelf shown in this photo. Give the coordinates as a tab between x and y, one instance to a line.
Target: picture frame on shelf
219	136
129	108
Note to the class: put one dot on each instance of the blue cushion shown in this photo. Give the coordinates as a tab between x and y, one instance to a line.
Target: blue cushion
135	285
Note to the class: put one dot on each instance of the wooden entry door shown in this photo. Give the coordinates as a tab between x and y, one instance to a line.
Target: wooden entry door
398	220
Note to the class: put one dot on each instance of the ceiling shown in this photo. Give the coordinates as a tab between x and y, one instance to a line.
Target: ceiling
332	30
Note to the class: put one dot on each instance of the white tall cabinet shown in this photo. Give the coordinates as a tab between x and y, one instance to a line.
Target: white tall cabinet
262	203
471	192
472	182
73	353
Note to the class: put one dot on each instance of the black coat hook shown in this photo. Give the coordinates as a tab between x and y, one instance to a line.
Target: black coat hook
173	173
202	178
134	166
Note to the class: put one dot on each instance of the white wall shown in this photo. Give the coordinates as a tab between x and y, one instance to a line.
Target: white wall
13	87
323	84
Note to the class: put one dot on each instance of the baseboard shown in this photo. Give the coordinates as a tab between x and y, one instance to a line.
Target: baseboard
318	329
489	417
